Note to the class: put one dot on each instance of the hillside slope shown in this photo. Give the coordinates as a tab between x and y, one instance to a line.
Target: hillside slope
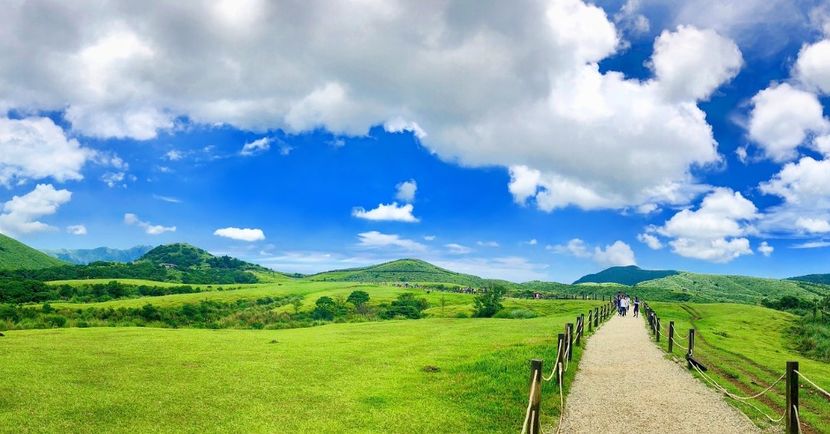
736	289
823	279
403	270
629	275
105	254
15	255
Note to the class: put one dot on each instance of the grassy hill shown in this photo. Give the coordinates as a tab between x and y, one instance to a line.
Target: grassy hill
709	288
15	255
105	254
402	270
630	275
823	279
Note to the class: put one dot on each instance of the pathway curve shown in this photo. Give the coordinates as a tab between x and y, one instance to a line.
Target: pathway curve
626	385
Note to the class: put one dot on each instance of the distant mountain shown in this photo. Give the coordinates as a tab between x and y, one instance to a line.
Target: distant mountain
106	254
813	278
629	275
712	288
15	255
184	256
404	270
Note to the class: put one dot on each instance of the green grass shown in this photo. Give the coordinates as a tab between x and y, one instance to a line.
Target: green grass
710	288
746	348
363	377
15	255
144	282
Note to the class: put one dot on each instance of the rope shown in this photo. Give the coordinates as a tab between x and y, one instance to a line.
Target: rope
797	419
743	399
681	346
530	402
813	384
561	401
567	353
553	371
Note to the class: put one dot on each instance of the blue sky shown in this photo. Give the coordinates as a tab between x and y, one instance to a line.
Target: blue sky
545	141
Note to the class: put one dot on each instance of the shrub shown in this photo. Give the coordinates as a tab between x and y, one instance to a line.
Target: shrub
489	302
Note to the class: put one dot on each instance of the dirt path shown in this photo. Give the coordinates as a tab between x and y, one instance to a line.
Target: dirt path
625	385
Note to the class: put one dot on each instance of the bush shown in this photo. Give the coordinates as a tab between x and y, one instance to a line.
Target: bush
489	302
405	306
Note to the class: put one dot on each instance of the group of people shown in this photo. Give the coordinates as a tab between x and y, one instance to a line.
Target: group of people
623	303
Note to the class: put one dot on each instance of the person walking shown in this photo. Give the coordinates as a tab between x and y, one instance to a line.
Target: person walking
636	307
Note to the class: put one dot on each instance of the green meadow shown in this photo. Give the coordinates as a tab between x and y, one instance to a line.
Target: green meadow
746	349
430	375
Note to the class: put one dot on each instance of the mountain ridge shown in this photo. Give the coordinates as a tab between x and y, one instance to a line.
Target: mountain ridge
625	275
15	255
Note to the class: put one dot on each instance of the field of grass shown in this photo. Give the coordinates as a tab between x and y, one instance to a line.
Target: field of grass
746	348
145	282
359	377
710	288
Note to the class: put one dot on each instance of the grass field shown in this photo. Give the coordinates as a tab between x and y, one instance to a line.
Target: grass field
144	282
335	378
746	349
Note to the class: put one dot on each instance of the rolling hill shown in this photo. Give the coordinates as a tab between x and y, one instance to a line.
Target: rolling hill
629	275
403	270
105	254
823	279
15	255
708	288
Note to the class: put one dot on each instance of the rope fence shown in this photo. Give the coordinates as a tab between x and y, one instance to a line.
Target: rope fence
565	342
790	376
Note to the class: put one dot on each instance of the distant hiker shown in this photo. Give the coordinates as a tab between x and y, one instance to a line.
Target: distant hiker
623	306
636	307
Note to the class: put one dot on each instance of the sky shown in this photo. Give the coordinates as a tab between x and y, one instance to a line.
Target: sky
528	140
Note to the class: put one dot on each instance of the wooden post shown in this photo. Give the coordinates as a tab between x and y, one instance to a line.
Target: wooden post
590	320
536	398
570	341
579	328
658	329
671	336
560	352
596	317
691	350
792	399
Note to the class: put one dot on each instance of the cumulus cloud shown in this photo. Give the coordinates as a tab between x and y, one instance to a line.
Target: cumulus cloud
378	240
615	254
802	186
76	229
813	65
575	247
716	231
240	234
36	148
173	155
20	214
766	249
487	243
387	212
149	228
406	191
650	240
495	84
429	237
783	118
256	147
457	249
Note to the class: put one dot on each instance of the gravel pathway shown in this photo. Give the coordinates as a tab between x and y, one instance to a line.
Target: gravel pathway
625	385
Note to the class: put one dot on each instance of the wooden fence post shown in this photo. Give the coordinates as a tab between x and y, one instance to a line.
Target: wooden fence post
671	336
579	328
691	350
570	341
596	317
560	351
658	329
536	399
590	320
792	399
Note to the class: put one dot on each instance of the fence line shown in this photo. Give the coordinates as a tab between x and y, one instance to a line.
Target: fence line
791	375
565	341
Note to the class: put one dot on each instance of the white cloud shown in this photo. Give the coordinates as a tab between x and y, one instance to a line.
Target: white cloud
378	240
691	63
487	243
615	254
406	191
173	155
149	228
813	65
513	268
429	237
241	234
531	242
650	240
256	147
491	84
457	249
20	214
113	178
806	200
574	247
813	225
168	199
716	230
766	249
36	148
811	245
76	229
387	212
783	118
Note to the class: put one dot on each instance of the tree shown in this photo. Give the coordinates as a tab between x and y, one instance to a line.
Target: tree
488	303
325	308
359	299
406	306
